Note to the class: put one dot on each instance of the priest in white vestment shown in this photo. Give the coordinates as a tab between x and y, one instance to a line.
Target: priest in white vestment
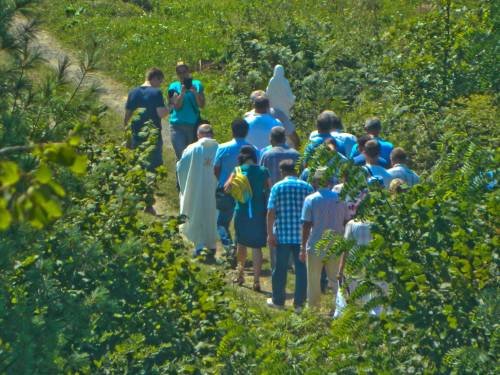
197	182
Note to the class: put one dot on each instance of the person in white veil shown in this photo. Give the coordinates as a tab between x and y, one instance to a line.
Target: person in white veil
197	184
279	92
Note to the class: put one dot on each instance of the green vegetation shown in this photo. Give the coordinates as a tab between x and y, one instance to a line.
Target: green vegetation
89	284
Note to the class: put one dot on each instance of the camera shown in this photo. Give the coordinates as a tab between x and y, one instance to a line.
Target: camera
188	83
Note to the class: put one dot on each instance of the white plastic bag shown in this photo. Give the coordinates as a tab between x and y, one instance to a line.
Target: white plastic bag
340	301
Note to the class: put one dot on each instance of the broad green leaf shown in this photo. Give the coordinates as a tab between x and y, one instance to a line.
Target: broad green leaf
9	173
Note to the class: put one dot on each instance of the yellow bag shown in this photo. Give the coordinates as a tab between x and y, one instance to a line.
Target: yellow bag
240	188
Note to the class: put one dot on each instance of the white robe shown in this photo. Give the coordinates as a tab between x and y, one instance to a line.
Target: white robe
279	92
198	183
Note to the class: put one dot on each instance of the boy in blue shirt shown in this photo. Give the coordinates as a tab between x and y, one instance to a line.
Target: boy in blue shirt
373	127
186	98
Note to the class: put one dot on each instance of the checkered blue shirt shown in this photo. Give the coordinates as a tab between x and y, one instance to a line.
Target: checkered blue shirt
286	198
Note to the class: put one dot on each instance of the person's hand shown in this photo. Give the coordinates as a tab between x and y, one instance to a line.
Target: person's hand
271	240
183	89
302	255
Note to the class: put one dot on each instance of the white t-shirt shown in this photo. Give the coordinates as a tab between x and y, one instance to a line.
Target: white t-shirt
358	231
259	129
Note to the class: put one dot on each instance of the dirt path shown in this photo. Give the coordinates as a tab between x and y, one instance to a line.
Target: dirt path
113	95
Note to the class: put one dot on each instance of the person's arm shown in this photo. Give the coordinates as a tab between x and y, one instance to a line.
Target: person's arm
271	238
340	274
306	231
200	97
177	100
128	116
162	112
227	185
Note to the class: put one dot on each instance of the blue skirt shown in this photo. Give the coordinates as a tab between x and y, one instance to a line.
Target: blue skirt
251	232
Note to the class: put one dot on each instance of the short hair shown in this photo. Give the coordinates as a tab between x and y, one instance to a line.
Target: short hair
287	166
205	129
239	128
362	141
181	64
372	148
398	155
261	103
278	134
327	120
373	125
153	73
247	153
256	94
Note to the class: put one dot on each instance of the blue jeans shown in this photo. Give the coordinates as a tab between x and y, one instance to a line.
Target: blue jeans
280	275
182	136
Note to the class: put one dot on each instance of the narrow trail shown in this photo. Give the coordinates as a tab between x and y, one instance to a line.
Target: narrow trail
114	95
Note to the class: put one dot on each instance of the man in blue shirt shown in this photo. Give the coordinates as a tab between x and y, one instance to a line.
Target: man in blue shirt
284	228
260	122
324	125
322	211
360	159
399	168
272	156
226	159
373	127
147	103
345	141
186	98
373	170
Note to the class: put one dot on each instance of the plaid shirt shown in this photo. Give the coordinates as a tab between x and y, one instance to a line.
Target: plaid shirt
287	198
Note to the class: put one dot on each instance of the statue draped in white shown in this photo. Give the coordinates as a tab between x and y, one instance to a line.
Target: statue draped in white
279	92
197	192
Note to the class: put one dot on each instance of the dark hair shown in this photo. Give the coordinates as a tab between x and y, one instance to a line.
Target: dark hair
154	73
373	125
398	155
247	153
261	103
362	141
278	135
239	128
328	120
287	166
372	149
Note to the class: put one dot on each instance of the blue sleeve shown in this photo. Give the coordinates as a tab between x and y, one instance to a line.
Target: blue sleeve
354	151
307	211
131	105
272	198
218	156
199	86
157	99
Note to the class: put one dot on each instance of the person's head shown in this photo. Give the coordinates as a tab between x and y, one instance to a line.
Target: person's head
261	104
397	186
287	168
373	126
256	94
326	121
247	155
320	178
372	151
278	136
182	71
239	128
362	142
155	77
398	156
205	131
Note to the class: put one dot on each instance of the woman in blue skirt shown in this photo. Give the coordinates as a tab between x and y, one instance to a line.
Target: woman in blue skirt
250	217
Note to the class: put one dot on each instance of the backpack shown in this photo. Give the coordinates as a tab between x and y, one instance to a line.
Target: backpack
241	190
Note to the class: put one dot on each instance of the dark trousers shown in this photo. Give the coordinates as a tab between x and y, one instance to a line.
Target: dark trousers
280	273
225	205
155	158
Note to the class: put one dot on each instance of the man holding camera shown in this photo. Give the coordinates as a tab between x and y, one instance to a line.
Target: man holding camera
186	97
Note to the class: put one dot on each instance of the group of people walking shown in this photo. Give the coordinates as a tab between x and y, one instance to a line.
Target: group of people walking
261	181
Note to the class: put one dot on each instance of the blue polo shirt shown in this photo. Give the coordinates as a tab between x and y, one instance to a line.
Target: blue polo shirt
361	160
316	142
385	149
189	113
226	158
